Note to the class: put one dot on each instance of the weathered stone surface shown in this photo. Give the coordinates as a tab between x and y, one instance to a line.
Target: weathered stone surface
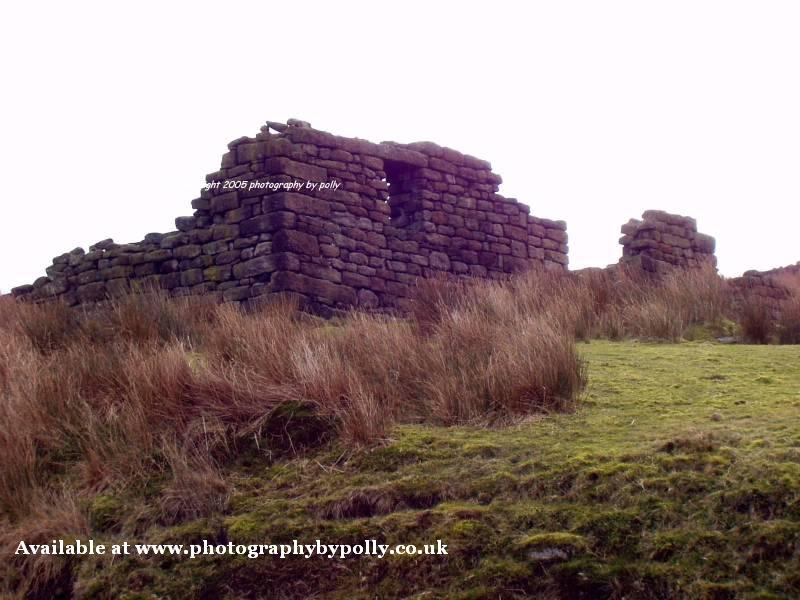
268	223
217	273
322	272
266	264
103	244
224	231
368	299
297	203
662	241
174	239
116	272
227	257
255	266
356	280
301	171
191	277
224	202
157	255
55	287
440	261
316	288
188	251
287	240
21	290
185	223
92	292
704	243
236	294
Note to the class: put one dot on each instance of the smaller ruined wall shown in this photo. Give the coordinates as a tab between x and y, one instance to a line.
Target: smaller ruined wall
769	288
661	241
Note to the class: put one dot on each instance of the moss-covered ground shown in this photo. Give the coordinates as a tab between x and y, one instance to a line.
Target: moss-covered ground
677	476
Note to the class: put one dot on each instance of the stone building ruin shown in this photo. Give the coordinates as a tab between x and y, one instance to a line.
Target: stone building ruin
661	241
339	222
345	223
772	289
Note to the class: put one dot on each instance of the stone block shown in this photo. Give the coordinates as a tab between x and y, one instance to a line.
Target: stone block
217	273
355	279
704	243
191	277
116	272
91	292
558	235
188	251
439	261
224	202
236	294
320	272
315	288
185	223
227	257
297	203
367	299
224	231
280	165
287	240
268	223
174	239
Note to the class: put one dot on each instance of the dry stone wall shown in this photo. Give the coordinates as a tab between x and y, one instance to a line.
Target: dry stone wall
769	288
339	222
661	241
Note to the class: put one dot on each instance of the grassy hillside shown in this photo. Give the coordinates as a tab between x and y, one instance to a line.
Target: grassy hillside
549	467
679	474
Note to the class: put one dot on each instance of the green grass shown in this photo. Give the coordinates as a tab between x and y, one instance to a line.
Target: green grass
679	475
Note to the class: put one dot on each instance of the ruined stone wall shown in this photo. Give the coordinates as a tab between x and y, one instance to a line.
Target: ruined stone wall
661	241
355	224
769	288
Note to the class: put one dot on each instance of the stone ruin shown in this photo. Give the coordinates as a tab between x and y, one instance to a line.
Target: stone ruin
662	241
342	222
770	288
338	222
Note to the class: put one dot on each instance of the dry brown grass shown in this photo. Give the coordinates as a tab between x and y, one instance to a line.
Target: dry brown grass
629	304
788	325
152	390
498	349
156	390
52	515
595	303
756	319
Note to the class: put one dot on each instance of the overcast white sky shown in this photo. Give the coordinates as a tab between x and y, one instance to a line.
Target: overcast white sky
591	111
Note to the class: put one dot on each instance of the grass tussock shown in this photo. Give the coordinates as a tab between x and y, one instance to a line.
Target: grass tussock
593	303
757	322
629	304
